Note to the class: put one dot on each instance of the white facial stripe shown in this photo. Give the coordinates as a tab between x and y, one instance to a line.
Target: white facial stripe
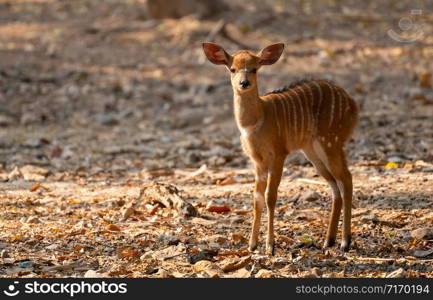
245	70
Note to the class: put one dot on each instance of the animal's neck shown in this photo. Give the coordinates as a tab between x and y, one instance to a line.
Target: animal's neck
248	108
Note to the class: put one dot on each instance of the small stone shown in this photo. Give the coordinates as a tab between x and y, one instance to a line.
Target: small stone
214	245
369	218
36	143
107	119
8	260
423	253
52	247
395	159
422	233
168	240
15	174
25	264
4	254
310	196
92	274
33	173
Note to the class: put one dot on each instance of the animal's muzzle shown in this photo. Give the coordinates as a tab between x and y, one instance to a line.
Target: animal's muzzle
244	83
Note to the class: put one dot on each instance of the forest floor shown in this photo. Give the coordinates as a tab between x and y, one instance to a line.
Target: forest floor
97	102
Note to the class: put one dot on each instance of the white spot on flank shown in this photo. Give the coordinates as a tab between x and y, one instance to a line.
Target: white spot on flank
336	138
331	90
301	113
276	116
246	131
322	138
329	144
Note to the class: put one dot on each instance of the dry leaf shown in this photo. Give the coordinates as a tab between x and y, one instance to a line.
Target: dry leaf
127	213
128	252
226	181
113	227
233	264
218	209
38	186
425	80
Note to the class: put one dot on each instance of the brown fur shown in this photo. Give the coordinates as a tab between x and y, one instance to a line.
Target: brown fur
314	116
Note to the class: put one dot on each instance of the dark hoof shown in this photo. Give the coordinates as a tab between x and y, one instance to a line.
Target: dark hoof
345	246
329	243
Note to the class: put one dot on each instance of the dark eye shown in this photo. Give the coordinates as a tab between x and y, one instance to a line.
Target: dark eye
232	70
254	71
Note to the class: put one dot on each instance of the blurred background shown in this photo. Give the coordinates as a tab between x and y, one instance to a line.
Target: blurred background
99	99
123	84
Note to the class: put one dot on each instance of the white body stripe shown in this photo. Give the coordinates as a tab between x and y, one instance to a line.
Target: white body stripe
340	105
287	101
285	121
276	116
310	92
295	121
320	99
308	116
301	112
331	118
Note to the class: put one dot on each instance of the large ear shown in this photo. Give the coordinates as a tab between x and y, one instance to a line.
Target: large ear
216	54
271	54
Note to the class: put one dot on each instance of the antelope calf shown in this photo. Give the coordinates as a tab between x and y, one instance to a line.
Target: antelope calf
314	116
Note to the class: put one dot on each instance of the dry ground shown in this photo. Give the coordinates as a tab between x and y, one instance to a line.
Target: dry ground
106	101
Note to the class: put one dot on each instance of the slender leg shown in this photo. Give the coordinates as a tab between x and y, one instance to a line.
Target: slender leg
347	187
259	203
337	201
335	162
271	199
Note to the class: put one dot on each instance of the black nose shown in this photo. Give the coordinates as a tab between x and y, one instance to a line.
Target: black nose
244	83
